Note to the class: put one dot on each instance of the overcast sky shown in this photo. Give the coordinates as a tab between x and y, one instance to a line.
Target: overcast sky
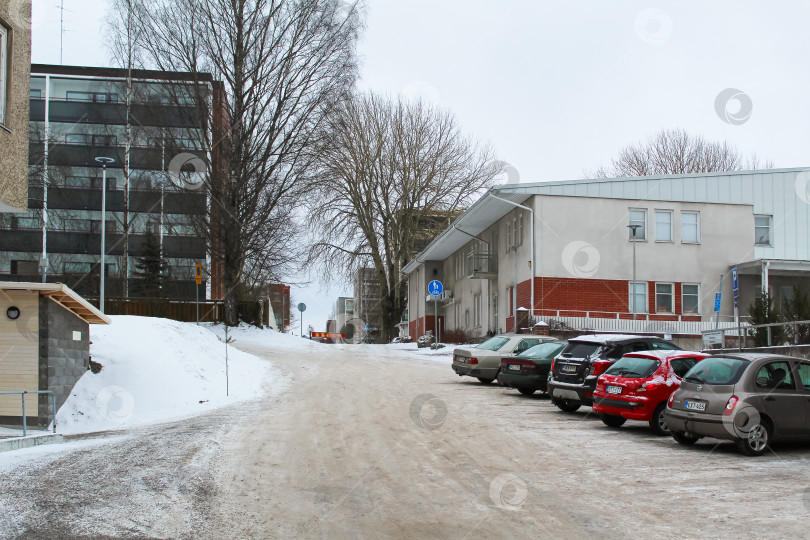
559	87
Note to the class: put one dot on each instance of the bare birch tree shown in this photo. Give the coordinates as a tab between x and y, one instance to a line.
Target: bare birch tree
283	64
674	151
385	168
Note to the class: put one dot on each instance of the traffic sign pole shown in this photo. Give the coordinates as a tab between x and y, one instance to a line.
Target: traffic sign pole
435	289
198	279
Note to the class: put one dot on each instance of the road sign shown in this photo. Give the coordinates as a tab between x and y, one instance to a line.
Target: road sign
435	287
714	337
198	273
717	297
734	285
302	307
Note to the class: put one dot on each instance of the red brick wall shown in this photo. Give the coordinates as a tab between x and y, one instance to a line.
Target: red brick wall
419	326
573	294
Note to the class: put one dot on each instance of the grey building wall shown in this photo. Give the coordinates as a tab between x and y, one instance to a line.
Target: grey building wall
62	359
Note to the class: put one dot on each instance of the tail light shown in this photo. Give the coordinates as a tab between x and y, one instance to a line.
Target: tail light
732	402
649	386
600	366
552	363
473	360
671	399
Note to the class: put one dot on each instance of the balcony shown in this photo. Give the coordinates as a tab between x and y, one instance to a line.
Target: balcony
480	265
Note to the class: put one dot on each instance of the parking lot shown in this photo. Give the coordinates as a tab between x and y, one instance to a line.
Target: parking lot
379	442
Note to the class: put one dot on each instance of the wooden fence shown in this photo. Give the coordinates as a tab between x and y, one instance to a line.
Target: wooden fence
255	313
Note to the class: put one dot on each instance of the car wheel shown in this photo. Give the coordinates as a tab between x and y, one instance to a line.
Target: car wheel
526	391
756	443
484	380
567	406
612	420
658	423
682	438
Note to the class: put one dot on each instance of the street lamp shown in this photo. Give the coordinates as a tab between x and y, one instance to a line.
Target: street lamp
633	293
104	162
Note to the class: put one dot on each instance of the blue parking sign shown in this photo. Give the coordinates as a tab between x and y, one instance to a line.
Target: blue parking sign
717	297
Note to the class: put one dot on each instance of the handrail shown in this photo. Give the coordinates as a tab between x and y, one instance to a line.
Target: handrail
22	398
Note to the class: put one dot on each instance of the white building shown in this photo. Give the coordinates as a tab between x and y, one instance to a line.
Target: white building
568	247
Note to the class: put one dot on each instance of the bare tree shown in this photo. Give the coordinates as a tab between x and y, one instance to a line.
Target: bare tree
674	151
385	168
283	64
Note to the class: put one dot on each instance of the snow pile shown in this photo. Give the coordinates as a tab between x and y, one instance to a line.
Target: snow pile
159	369
245	333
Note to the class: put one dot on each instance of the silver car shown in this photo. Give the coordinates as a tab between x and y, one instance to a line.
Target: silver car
752	399
484	361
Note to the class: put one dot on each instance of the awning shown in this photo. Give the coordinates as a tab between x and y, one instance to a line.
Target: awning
62	295
776	267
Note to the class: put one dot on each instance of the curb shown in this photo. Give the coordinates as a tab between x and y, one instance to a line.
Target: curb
19	443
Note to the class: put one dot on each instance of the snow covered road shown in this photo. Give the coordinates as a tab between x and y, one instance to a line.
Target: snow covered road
376	441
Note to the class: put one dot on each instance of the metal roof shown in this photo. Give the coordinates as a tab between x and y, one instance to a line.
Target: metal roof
62	295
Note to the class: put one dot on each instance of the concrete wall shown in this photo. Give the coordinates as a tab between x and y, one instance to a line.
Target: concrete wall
14	131
19	345
63	353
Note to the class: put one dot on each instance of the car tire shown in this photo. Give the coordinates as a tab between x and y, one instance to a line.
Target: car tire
657	423
567	406
526	391
484	380
612	420
758	439
684	439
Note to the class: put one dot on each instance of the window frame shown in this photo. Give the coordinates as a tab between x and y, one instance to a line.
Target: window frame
645	292
769	227
4	69
520	230
509	235
658	229
671	295
696	224
634	237
684	295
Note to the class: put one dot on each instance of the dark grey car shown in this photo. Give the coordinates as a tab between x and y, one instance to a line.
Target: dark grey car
752	399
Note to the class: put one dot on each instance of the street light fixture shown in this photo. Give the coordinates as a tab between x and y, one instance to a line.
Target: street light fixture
633	293
104	162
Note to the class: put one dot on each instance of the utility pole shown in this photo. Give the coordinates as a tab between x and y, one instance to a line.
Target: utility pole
633	294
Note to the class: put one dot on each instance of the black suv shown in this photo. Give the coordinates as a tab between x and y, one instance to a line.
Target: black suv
575	370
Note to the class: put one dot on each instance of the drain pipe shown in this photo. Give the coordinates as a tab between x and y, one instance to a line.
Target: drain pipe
531	240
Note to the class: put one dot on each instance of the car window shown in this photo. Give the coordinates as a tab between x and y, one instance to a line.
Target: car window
525	345
494	343
580	349
660	345
717	370
804	375
633	367
681	365
775	376
548	349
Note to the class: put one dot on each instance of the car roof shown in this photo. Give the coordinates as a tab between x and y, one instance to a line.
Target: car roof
751	357
663	355
603	339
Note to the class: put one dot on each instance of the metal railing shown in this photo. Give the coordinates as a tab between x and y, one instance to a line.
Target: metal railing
797	332
22	396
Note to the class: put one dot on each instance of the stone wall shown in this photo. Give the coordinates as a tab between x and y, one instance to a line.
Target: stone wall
64	353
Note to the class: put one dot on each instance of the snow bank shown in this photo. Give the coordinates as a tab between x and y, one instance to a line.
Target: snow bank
246	333
156	370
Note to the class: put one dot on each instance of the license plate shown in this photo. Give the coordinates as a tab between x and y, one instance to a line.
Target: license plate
695	406
460	359
514	367
614	389
569	368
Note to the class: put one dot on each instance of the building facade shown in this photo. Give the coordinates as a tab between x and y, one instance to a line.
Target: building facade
279	295
155	132
565	251
15	68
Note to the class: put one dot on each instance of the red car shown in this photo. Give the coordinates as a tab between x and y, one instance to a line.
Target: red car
638	385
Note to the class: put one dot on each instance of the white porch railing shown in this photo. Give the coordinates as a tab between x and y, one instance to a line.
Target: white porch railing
599	324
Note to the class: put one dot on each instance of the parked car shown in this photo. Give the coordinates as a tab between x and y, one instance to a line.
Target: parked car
638	385
575	370
396	340
528	371
484	360
751	399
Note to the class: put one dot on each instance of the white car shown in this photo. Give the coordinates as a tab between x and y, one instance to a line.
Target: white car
484	361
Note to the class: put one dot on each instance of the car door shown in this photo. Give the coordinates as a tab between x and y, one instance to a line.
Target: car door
775	385
803	378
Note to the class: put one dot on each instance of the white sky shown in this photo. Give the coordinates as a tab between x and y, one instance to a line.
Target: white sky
559	87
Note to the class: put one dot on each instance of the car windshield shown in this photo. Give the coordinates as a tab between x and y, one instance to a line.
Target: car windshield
580	349
633	367
544	350
494	343
717	370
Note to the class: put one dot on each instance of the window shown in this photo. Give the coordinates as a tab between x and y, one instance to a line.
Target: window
690	298
663	226
24	267
681	365
663	346
3	71
804	375
509	236
762	230
27	222
638	217
75	138
98	97
640	297
104	140
690	228
520	230
775	375
664	298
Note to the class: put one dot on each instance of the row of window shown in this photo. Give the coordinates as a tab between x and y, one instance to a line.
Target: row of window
690	226
514	232
109	97
665	298
86	139
94	226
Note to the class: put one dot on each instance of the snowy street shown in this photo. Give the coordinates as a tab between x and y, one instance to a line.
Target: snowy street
382	441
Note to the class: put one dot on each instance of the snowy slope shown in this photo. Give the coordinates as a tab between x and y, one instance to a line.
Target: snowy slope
156	370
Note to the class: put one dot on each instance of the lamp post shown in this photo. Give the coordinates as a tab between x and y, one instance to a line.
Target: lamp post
104	162
633	294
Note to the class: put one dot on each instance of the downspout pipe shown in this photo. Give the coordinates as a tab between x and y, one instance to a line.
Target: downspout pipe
531	240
